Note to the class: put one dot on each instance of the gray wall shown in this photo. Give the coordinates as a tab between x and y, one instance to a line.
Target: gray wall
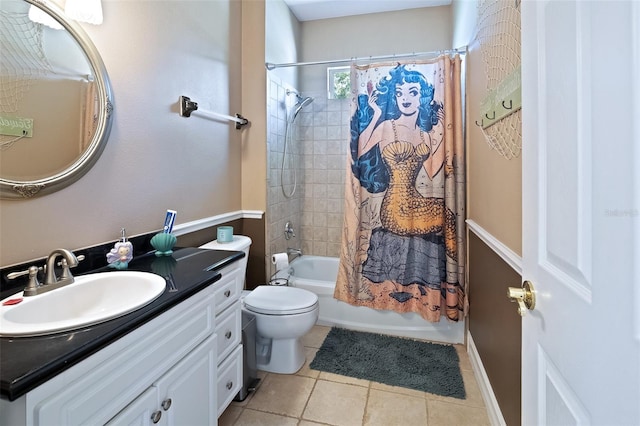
155	159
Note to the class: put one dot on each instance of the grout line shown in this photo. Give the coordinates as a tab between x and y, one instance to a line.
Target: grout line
315	382
366	403
428	398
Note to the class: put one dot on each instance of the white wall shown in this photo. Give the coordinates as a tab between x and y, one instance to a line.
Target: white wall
155	159
464	18
375	34
282	46
282	40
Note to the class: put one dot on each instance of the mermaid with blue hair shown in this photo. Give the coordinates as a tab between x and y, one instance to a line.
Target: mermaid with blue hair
392	143
404	97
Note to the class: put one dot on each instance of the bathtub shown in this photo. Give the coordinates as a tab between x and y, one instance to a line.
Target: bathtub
318	275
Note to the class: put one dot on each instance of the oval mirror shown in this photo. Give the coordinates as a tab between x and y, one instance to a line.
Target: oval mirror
55	100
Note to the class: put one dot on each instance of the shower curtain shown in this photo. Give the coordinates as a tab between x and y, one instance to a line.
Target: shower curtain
403	235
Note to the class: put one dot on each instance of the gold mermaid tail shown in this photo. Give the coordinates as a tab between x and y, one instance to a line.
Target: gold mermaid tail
404	211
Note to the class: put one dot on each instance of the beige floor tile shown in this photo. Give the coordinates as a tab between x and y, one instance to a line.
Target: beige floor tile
343	379
465	363
336	404
443	413
282	394
310	353
230	415
309	423
397	389
474	396
257	418
316	336
387	408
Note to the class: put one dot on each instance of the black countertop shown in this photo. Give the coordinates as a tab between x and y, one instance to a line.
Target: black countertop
27	362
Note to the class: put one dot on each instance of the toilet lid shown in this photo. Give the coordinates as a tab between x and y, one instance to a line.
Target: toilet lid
280	300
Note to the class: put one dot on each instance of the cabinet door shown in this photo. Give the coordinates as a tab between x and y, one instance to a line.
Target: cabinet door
141	412
187	392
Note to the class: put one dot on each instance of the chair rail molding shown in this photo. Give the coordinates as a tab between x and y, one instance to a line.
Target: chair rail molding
207	222
508	255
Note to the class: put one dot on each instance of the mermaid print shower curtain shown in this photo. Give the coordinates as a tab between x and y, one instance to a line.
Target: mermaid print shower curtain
402	243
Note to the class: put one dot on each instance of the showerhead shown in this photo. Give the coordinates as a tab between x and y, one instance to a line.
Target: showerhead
302	102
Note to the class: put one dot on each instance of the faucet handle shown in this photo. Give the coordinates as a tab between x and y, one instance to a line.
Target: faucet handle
288	231
80	258
14	275
33	279
66	271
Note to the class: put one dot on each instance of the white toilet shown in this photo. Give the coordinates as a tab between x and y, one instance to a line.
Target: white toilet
283	315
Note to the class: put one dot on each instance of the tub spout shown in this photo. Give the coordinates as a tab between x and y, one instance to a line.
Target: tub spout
294	252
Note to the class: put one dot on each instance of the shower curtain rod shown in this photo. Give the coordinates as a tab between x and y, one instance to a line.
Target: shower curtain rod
270	66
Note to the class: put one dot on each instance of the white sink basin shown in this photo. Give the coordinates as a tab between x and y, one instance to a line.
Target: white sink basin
91	299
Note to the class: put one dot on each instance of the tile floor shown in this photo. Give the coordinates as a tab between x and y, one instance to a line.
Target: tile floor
311	397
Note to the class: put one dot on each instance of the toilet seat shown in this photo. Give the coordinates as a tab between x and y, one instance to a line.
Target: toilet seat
280	300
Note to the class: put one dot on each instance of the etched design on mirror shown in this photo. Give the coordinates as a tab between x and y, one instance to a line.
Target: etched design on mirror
27	190
63	140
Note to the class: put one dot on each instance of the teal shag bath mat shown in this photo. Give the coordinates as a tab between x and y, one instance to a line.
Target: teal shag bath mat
394	361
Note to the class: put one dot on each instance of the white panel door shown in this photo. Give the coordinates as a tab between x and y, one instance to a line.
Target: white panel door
581	212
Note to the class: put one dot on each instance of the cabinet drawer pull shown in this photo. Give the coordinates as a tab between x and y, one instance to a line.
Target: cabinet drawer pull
227	293
166	404
155	416
229	385
227	335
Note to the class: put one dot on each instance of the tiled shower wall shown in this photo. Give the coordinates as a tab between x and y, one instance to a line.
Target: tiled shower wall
324	132
281	209
320	145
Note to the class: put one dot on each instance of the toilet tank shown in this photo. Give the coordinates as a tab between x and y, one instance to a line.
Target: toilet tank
239	243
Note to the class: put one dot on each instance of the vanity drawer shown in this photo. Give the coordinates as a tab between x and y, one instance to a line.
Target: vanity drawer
229	379
228	289
228	330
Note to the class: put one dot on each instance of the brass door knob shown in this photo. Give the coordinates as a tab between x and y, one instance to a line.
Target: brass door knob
525	297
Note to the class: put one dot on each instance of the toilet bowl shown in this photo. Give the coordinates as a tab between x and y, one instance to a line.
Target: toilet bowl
283	315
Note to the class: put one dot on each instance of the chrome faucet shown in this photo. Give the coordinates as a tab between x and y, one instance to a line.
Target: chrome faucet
294	251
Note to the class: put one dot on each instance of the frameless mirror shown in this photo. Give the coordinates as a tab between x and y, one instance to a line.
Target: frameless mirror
55	100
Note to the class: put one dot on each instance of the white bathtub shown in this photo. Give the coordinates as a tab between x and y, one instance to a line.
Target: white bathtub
318	274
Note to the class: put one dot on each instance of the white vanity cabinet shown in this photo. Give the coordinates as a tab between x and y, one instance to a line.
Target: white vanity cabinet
181	368
229	334
183	396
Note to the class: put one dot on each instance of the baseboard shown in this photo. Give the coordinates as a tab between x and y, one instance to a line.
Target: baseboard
493	409
207	222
